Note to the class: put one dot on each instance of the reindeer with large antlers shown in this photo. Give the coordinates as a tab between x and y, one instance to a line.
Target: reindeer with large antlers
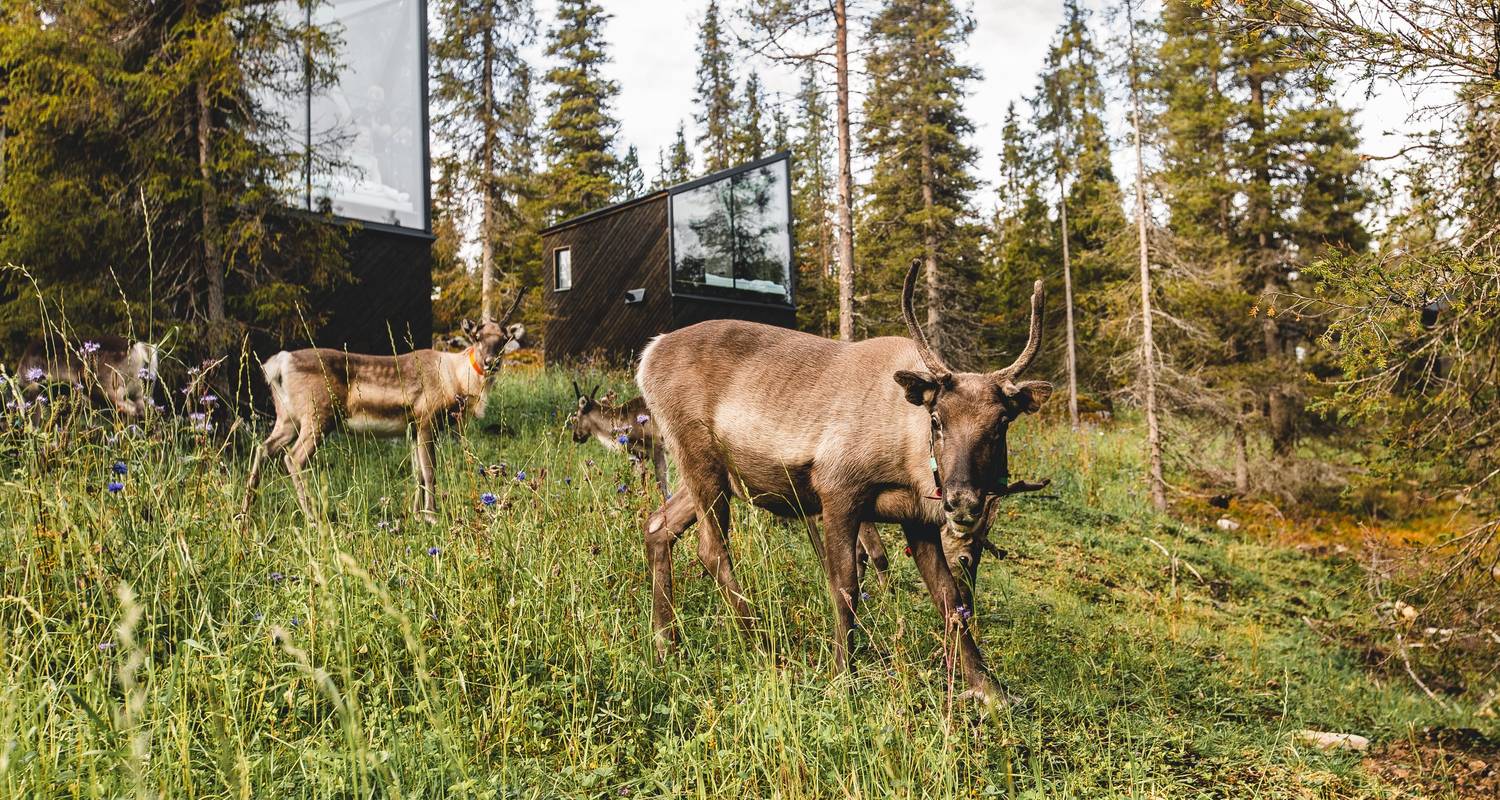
317	389
874	431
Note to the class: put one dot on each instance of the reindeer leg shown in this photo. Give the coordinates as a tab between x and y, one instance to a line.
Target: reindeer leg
872	551
659	467
714	523
840	534
423	458
953	605
296	459
662	529
281	435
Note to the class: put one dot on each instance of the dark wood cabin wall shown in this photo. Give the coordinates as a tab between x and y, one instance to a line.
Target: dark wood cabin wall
627	248
388	306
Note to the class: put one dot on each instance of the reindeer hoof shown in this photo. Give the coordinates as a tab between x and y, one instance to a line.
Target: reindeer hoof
991	696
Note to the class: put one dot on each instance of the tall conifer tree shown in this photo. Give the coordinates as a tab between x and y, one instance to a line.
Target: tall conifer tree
580	136
718	108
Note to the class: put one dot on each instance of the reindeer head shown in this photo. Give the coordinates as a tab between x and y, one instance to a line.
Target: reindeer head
581	421
489	339
970	413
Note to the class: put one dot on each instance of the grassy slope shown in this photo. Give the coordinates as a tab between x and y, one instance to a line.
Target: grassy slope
515	661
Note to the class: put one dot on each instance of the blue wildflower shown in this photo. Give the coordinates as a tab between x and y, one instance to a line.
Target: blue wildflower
114	486
296	622
276	577
434	551
119	468
488	498
623	489
568	481
521	475
864	596
624	439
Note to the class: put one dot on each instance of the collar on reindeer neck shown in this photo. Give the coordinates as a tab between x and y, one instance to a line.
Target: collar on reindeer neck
474	361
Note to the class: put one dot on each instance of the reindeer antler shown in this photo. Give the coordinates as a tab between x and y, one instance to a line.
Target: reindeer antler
1033	339
514	305
934	363
577	392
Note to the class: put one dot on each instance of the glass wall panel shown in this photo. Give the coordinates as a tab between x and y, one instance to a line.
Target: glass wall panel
368	159
732	238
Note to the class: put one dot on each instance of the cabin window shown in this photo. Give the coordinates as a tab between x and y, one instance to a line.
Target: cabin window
362	138
732	236
562	268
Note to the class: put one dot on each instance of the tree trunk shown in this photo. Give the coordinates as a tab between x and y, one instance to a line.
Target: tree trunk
213	263
1281	408
486	191
934	328
1062	213
1241	457
1154	478
846	175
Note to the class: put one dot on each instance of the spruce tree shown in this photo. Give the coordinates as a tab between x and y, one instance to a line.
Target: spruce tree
481	103
921	187
815	230
676	164
718	109
580	132
1021	244
632	180
750	133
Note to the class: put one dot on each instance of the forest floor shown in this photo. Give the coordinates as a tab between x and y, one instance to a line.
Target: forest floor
504	652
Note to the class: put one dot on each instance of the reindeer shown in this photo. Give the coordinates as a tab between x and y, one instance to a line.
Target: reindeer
117	372
801	425
318	389
630	427
625	427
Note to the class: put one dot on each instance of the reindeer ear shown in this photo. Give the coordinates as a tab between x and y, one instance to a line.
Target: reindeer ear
583	402
467	326
1029	395
921	388
515	331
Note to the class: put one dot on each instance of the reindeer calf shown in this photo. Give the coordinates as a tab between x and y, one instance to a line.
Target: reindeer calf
627	427
117	372
316	390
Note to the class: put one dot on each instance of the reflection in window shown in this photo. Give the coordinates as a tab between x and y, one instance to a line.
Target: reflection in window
366	130
732	238
562	266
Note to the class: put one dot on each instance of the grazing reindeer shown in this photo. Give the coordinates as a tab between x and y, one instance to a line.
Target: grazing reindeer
873	431
317	389
627	427
118	373
630	427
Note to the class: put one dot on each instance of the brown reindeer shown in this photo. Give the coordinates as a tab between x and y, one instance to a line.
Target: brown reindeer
116	372
630	427
627	427
318	389
874	431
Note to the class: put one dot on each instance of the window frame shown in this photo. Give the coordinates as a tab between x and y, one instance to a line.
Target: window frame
744	297
556	275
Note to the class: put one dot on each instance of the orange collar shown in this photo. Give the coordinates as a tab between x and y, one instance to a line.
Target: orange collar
474	362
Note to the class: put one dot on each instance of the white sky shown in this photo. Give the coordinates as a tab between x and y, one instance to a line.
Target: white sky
653	47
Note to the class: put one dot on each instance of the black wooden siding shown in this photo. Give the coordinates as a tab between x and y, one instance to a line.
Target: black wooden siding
625	247
388	306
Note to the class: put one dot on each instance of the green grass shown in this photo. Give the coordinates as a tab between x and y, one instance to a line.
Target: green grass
342	660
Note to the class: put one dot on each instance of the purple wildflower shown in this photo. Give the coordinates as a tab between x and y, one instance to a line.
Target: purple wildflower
119	468
276	577
434	551
623	489
89	347
114	486
864	596
106	645
146	374
488	498
642	419
34	374
521	475
208	399
964	613
384	524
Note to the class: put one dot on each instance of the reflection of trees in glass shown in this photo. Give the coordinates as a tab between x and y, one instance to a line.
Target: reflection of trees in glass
732	234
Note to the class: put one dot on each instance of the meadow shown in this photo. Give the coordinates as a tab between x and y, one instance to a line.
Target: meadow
154	645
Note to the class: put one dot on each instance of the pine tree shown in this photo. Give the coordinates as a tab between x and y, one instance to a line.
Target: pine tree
478	72
718	110
921	186
676	165
815	229
579	144
750	134
1021	244
632	180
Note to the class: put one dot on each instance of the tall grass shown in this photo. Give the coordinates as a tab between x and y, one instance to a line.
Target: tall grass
155	646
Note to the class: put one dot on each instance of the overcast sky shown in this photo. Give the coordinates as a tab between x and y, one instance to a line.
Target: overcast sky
652	44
